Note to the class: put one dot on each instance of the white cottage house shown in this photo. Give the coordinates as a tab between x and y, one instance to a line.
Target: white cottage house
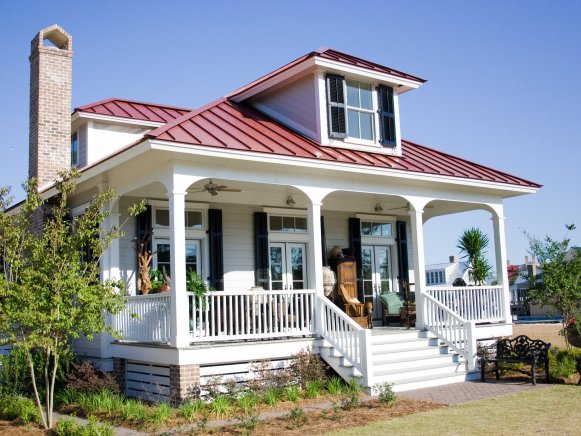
251	191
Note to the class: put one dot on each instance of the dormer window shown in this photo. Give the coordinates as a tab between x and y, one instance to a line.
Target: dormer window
351	110
360	110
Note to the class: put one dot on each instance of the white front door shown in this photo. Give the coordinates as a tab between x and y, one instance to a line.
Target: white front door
287	266
376	263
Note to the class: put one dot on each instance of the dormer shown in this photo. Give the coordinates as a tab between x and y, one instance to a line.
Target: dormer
335	99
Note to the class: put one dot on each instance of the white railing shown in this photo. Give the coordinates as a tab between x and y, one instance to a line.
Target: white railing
454	330
351	340
473	303
223	316
145	318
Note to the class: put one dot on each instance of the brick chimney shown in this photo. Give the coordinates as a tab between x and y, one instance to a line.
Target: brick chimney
50	104
454	259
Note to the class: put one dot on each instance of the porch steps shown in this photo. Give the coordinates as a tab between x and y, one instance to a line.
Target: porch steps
407	359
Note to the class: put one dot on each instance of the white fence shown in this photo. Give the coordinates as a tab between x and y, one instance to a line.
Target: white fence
473	303
455	331
145	318
222	316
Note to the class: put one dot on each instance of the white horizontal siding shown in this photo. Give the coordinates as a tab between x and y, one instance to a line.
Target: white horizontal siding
238	234
104	139
336	229
294	102
147	381
127	255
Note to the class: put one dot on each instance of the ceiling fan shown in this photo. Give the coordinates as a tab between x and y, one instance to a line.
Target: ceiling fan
407	207
214	189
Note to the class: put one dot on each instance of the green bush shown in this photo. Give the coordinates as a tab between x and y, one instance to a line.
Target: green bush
354	387
314	388
68	427
161	414
271	396
191	409
220	406
291	393
14	373
19	409
562	363
386	394
335	385
297	417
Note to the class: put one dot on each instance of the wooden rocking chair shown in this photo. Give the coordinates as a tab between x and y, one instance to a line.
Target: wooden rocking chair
356	309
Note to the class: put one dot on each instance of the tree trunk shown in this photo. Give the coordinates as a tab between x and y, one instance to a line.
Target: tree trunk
40	411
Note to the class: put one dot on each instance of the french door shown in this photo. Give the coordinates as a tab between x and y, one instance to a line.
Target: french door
162	260
377	278
287	266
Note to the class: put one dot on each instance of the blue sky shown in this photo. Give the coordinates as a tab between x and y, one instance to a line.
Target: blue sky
503	78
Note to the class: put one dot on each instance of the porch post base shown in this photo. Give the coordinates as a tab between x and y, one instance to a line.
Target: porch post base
184	381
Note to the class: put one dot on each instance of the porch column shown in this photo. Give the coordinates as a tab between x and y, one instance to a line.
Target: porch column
110	270
501	271
177	240
419	265
315	271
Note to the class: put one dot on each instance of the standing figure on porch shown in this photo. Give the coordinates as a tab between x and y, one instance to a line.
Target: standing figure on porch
144	258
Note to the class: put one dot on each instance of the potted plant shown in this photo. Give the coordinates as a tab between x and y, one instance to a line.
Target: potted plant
198	287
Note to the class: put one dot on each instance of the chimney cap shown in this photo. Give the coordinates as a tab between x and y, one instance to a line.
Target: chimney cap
56	35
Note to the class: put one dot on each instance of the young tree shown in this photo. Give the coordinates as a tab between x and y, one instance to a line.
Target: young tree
472	243
560	267
49	291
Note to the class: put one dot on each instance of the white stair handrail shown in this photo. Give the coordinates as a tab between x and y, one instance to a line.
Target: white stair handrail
455	331
351	340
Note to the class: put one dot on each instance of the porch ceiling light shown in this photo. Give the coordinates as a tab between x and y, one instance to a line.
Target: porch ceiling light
290	201
378	207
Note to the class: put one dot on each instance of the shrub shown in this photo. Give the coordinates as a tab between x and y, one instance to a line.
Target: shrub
86	378
19	409
266	377
248	422
68	427
271	397
562	363
14	373
292	393
297	417
247	402
133	411
220	407
191	409
335	385
386	394
354	387
305	367
161	414
314	388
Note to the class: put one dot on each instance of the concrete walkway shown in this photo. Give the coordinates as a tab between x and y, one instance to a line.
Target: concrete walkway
465	392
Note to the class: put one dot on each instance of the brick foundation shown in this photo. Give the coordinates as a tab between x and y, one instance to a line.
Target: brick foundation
119	366
184	382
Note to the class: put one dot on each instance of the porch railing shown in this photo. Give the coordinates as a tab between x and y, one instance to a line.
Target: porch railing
251	315
454	330
351	340
145	318
472	303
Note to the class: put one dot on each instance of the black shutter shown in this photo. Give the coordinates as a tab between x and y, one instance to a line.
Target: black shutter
261	249
336	106
387	116
215	248
144	228
402	254
355	245
323	243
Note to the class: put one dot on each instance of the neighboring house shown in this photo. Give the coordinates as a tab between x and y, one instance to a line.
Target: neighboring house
444	274
249	191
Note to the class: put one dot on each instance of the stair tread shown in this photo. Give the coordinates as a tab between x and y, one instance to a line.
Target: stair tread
430	377
418	368
403	350
415	358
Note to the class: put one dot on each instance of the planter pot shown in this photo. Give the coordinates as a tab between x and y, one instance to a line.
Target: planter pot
573	337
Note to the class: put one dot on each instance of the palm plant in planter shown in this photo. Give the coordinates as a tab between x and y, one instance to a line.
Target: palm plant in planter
198	287
472	244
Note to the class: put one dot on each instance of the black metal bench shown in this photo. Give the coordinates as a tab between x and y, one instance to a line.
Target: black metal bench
521	349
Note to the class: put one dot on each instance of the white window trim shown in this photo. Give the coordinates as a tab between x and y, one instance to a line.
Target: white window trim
378	240
372	112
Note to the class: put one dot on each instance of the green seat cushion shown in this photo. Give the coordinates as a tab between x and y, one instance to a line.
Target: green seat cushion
392	302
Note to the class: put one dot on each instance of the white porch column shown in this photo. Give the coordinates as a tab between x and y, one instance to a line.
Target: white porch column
501	271
315	250
179	302
419	265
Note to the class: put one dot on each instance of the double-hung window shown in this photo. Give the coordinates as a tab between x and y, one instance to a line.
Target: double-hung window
352	108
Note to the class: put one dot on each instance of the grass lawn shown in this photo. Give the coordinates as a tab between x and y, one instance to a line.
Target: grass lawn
545	332
552	410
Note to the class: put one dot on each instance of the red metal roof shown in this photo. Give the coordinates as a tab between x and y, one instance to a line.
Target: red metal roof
135	110
334	55
232	126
